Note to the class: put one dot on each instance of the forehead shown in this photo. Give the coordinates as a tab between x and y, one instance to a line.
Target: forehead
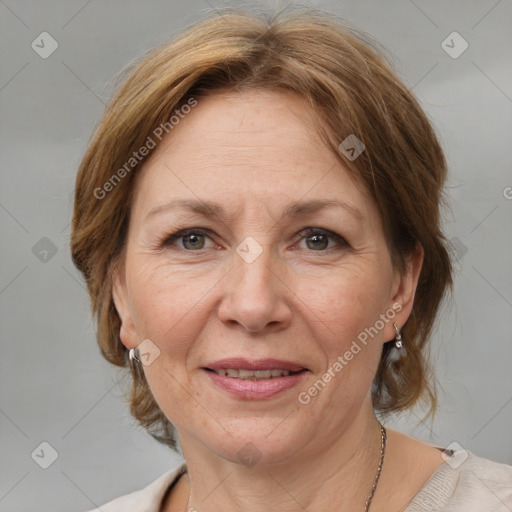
237	123
249	146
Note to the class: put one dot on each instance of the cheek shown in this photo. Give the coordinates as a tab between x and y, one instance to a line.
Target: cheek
351	348
344	305
164	305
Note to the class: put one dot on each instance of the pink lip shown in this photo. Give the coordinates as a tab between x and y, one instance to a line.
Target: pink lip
254	389
239	363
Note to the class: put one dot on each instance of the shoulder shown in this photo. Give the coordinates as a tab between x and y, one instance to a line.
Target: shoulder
468	483
147	499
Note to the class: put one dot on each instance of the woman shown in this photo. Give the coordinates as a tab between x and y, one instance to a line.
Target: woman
257	219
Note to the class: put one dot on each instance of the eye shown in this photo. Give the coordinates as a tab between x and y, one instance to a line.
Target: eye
192	239
318	239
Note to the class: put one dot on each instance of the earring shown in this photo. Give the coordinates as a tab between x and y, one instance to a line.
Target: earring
134	355
398	337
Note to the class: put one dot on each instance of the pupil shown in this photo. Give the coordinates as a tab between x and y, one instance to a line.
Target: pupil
316	238
194	239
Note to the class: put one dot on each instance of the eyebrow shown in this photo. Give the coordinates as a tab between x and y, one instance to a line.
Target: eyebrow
294	210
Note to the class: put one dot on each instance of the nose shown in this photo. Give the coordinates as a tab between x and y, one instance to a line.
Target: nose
256	296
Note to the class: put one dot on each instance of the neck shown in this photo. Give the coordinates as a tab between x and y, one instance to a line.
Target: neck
335	474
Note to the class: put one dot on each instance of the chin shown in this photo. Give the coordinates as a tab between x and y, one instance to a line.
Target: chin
256	449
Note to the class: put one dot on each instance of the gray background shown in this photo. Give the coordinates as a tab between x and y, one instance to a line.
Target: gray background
54	385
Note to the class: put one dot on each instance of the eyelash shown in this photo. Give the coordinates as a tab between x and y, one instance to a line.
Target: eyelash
305	233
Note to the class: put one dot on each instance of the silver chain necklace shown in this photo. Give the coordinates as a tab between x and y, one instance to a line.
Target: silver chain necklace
379	469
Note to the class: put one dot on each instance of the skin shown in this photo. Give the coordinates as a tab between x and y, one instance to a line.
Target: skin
303	299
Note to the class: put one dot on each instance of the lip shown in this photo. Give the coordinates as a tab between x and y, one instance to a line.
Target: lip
255	389
239	363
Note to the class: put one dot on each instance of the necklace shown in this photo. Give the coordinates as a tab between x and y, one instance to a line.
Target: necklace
379	469
377	476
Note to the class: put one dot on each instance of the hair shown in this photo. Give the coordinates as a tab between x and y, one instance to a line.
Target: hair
343	74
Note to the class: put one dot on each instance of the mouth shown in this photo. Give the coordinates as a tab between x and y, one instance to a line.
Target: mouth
254	380
254	375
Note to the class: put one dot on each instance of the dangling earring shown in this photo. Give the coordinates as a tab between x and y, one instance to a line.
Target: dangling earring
134	355
398	337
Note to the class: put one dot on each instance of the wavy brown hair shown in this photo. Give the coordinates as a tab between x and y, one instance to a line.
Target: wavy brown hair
347	79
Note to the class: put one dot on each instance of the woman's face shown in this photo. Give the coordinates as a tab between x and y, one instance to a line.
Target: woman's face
263	272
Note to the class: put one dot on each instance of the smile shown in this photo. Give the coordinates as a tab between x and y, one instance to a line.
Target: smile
254	384
252	374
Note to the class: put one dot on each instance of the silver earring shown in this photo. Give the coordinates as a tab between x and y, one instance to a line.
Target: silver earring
398	337
134	355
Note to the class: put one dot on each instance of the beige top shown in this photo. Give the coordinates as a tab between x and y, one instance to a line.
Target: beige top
463	483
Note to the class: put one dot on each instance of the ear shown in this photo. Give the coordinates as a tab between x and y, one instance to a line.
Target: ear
122	303
404	289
